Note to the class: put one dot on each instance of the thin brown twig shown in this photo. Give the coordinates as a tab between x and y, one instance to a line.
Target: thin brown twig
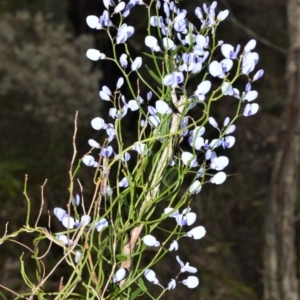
42	203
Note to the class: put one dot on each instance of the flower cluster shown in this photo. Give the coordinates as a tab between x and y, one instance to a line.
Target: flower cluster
180	51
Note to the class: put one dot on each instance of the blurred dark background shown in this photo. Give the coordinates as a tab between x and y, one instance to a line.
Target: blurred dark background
45	77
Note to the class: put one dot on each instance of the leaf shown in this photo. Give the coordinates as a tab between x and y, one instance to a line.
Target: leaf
154	75
121	257
141	284
137	293
150	55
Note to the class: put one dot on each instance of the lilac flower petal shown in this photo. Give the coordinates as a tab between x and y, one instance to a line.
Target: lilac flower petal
162	107
94	54
108	3
174	246
218	178
93	143
189	159
120	275
197	142
119	7
203	88
196	187
136	64
104	96
167	210
151	42
77	200
123	60
172	284
59	213
213	122
250	46
151	241
230	129
151	276
197	233
250	109
120	82
219	163
78	256
85	220
191	282
68	222
64	239
258	74
124	182
98	123
222	15
215	69
168	44
133	105
92	21
89	160
250	96
141	148
101	224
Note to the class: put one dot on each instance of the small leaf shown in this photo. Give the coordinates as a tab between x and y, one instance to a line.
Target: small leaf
153	75
121	257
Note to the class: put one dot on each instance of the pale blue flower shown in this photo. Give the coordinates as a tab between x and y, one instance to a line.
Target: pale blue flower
250	109
185	267
107	152
173	79
250	59
124	32
219	69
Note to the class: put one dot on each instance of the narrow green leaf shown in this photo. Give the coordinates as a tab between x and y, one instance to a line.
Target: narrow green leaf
154	75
